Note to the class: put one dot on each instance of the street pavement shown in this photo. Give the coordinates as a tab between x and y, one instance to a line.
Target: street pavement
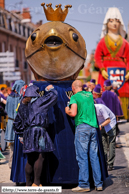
116	183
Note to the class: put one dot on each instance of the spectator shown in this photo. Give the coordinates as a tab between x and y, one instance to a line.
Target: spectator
97	95
107	125
85	87
82	108
10	108
3	98
9	90
112	102
92	84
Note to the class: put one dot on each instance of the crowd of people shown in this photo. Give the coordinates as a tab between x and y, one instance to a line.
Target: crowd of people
91	108
89	104
8	107
109	97
4	92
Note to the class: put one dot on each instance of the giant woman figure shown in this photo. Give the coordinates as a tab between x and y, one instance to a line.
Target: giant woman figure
112	55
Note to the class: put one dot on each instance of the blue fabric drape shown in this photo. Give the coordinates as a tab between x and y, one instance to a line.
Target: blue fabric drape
19	159
19	162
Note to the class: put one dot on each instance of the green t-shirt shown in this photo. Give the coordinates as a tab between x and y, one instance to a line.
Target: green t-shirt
85	108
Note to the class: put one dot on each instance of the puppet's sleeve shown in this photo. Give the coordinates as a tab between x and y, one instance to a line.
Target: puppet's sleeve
17	125
127	56
21	120
98	56
48	100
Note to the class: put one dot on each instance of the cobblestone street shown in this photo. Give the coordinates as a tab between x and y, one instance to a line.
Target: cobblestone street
117	182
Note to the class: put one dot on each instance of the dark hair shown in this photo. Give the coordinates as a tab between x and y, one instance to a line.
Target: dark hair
2	88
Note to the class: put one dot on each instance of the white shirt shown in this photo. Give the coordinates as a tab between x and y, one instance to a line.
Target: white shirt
103	113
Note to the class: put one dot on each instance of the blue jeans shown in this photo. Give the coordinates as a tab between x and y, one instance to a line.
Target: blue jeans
86	142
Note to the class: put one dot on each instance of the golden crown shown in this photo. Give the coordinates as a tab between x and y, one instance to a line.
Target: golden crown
56	14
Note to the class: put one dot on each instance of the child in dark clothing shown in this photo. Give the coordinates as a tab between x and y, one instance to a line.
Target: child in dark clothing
32	121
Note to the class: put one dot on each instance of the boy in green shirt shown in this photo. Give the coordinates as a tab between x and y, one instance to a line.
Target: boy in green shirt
82	108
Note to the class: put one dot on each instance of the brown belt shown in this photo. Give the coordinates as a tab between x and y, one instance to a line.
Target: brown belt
114	59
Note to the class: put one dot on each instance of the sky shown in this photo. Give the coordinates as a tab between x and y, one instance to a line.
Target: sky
85	15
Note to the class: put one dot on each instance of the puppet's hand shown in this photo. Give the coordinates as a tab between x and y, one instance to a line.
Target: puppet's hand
127	77
104	74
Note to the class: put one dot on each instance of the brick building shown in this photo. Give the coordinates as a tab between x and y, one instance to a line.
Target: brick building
15	28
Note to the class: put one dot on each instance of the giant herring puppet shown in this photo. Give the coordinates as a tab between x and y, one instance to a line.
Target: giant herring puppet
56	52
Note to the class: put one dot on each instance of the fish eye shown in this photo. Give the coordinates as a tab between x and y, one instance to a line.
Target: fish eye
33	36
75	37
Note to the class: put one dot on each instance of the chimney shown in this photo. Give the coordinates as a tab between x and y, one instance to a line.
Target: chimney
39	23
2	3
26	13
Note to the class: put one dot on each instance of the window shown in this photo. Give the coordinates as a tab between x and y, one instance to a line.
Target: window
16	63
10	26
25	65
19	25
4	20
16	57
28	31
24	34
2	23
16	52
15	27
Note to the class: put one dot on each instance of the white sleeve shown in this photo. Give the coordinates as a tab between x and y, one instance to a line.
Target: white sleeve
1	99
104	113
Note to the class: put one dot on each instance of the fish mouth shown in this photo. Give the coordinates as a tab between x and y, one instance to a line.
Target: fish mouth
53	41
